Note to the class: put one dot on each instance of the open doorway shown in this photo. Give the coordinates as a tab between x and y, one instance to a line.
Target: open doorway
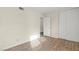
41	27
45	25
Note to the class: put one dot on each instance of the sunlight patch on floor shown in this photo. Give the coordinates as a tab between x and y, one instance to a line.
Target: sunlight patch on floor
34	40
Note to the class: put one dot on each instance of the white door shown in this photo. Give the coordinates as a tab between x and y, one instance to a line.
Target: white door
46	26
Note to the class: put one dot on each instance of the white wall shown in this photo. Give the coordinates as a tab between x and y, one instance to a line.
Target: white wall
65	24
54	16
69	25
46	26
17	26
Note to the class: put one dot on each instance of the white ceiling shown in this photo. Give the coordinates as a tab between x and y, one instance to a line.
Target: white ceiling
49	9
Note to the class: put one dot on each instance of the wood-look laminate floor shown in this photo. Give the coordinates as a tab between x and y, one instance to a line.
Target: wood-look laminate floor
47	44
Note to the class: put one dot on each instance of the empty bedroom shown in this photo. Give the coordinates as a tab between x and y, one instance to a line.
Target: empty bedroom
39	29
